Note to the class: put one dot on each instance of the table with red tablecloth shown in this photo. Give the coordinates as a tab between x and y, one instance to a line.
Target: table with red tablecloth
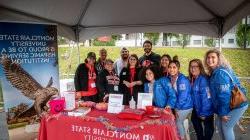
100	125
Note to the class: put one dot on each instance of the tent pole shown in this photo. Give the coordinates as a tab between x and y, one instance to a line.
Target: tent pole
220	44
78	52
77	31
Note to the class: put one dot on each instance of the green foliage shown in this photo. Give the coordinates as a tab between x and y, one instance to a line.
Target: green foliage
116	37
210	42
183	40
61	40
96	42
240	34
154	37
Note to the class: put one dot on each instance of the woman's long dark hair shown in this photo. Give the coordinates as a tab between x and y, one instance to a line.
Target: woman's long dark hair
154	69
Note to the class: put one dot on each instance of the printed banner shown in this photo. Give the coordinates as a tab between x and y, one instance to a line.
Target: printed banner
29	68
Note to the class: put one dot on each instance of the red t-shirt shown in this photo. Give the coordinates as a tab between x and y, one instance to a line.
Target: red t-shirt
132	77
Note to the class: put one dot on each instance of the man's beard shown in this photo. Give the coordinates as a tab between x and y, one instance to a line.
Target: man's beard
124	57
147	50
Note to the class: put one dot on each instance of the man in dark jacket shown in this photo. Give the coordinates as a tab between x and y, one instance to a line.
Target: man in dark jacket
149	57
101	60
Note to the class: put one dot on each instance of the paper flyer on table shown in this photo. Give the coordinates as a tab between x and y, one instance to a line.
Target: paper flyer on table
115	103
144	99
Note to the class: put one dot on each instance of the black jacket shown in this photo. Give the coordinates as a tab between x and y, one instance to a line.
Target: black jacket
81	77
125	75
153	57
104	84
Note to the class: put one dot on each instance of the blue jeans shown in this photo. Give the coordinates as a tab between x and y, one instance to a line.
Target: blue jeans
182	115
226	128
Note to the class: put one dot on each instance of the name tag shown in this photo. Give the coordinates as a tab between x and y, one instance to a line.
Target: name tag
92	85
124	73
115	88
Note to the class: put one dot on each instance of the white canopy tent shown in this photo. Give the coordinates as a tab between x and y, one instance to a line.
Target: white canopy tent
84	19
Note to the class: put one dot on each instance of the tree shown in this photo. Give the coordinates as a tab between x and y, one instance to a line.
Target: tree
210	42
240	34
171	35
165	39
116	37
62	40
184	40
154	37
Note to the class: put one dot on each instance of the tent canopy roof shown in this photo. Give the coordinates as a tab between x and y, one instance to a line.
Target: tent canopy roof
84	19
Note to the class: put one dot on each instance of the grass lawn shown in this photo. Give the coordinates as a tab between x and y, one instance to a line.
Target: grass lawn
238	58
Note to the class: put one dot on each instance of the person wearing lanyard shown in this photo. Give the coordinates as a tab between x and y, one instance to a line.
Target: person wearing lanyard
184	103
107	81
162	90
85	79
130	84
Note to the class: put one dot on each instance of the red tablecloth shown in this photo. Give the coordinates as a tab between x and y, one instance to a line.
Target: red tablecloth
62	127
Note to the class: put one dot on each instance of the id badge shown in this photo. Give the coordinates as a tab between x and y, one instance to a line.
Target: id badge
124	73
115	88
93	85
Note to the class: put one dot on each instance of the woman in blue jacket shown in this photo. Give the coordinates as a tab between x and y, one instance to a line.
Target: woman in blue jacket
203	108
163	93
184	103
221	86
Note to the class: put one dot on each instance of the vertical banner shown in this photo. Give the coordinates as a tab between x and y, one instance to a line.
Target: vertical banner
28	69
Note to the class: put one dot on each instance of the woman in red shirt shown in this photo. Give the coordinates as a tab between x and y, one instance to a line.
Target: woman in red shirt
85	79
130	84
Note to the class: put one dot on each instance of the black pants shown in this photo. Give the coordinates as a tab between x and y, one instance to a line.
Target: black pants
205	133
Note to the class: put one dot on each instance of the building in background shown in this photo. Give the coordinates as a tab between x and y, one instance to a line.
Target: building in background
137	39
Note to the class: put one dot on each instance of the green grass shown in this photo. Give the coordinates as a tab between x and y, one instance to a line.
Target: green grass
17	125
238	58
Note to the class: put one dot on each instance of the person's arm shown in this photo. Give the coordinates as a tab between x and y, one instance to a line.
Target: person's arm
222	89
170	92
205	96
183	89
77	78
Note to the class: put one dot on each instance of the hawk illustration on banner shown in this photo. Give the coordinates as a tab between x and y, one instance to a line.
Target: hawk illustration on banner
28	86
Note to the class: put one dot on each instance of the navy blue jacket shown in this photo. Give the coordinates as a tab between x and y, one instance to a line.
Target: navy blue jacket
201	97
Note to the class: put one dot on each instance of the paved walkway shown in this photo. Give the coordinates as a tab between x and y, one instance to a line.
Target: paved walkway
20	134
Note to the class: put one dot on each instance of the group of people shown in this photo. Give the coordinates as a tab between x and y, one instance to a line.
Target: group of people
201	94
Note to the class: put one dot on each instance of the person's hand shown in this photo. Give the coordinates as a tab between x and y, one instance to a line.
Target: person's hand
167	107
126	83
202	118
225	118
176	114
105	98
78	95
132	84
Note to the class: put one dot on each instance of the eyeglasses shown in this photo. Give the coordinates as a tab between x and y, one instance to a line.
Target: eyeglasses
132	59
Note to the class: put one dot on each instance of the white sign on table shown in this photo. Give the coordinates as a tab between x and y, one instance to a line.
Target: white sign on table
69	100
115	103
144	99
